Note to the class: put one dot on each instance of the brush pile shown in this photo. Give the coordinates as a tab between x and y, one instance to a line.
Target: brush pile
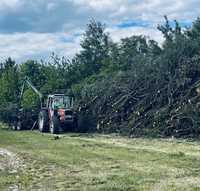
158	96
148	105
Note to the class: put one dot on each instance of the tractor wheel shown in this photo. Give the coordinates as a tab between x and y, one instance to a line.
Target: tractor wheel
54	125
14	126
75	125
19	126
43	121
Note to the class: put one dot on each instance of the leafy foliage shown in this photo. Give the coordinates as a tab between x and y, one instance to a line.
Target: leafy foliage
30	100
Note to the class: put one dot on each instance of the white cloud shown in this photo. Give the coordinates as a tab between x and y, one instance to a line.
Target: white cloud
36	27
51	6
152	10
21	46
9	4
97	4
118	33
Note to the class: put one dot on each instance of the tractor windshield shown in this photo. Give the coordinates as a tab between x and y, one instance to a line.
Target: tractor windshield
62	102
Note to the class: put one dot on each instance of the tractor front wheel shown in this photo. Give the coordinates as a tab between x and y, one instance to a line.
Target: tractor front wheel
43	121
19	126
54	125
14	126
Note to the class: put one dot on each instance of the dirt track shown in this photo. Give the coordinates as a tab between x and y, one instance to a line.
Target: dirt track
11	163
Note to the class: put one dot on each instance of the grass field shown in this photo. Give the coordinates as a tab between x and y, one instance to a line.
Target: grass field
34	161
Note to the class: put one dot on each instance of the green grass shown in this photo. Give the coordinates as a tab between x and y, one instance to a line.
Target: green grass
100	162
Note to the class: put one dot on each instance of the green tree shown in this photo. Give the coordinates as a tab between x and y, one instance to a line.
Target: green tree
35	72
95	49
30	100
9	82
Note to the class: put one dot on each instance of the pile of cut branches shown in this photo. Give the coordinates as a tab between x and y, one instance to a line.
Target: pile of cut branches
163	105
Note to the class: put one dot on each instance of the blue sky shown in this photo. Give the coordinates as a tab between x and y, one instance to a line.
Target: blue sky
32	29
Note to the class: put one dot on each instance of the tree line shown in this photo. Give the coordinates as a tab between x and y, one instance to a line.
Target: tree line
135	87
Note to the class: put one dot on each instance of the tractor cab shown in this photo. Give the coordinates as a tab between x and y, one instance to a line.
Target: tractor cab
60	101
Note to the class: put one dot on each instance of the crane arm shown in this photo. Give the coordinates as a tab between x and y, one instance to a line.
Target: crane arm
30	85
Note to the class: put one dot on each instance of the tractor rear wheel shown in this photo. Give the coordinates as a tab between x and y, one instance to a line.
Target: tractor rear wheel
54	125
14	126
75	125
43	121
19	126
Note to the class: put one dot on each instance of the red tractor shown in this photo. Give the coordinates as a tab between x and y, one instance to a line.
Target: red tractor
59	114
56	116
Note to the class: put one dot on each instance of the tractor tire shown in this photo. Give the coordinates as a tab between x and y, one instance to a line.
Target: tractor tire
43	121
55	125
19	126
14	126
75	125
